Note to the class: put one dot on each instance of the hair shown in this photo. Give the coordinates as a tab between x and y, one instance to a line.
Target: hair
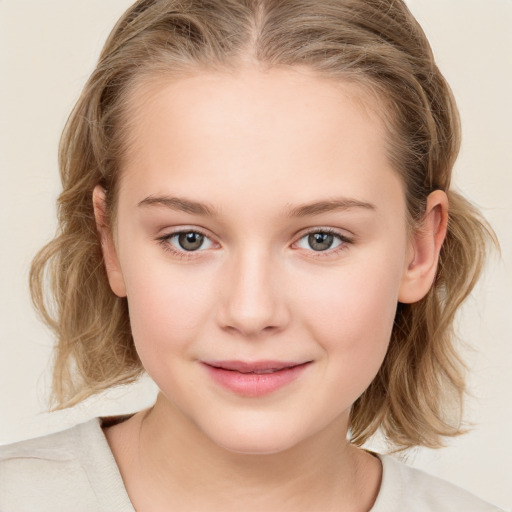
416	398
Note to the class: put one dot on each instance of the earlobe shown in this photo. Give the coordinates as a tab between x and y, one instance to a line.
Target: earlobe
425	247
113	268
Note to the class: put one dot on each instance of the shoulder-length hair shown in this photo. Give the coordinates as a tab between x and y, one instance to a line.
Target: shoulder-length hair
417	395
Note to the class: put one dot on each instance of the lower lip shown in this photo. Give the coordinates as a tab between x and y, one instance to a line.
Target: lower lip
255	384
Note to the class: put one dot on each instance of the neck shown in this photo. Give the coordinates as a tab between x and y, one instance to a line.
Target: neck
167	461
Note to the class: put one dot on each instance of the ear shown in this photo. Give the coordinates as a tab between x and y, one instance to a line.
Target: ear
425	246
114	273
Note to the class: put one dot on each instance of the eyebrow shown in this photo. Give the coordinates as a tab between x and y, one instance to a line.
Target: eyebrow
179	204
304	210
319	207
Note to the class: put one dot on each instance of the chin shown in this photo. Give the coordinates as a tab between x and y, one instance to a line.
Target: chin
256	439
265	446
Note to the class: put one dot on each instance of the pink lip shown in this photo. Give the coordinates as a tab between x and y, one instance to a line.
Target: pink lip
253	379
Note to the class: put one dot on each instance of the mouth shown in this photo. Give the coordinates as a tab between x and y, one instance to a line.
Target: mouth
257	378
258	367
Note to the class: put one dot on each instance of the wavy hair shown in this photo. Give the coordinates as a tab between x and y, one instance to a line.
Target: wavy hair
416	398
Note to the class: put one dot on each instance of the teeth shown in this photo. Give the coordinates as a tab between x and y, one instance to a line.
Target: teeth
257	372
269	370
260	372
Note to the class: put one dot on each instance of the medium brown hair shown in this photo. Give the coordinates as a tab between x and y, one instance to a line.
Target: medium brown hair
417	395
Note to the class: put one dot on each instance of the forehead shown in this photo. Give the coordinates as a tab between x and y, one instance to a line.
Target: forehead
251	102
281	129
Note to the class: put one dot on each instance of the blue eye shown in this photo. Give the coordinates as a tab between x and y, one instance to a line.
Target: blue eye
321	240
189	241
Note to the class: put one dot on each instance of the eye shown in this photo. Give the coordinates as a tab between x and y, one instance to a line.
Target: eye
321	240
188	241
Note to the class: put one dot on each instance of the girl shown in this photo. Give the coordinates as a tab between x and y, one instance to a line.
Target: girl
257	212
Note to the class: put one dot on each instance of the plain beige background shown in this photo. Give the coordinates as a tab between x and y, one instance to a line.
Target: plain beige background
47	50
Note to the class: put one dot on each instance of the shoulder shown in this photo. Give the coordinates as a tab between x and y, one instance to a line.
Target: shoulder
67	470
405	488
57	446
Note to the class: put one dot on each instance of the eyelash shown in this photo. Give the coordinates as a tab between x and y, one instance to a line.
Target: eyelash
164	241
345	241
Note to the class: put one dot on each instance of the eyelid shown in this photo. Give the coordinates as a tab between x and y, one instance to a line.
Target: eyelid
164	241
323	229
185	229
345	240
183	254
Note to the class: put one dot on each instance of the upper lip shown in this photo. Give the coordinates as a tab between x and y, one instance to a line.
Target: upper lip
253	366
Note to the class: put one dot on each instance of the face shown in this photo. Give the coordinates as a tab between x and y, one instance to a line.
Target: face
261	242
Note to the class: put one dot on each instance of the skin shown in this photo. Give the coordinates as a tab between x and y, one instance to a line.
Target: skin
254	146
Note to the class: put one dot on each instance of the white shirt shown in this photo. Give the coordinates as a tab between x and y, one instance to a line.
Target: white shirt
75	471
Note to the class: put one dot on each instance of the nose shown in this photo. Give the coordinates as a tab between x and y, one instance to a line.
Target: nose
253	296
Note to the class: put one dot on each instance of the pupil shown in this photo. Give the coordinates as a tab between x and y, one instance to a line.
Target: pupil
320	241
190	241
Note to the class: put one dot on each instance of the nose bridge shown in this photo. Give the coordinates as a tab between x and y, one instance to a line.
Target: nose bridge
254	302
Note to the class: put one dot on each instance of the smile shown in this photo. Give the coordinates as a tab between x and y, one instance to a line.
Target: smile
254	379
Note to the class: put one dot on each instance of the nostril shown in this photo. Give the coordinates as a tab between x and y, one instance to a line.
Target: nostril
252	303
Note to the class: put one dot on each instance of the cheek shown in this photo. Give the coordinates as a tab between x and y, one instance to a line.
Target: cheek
351	318
167	309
